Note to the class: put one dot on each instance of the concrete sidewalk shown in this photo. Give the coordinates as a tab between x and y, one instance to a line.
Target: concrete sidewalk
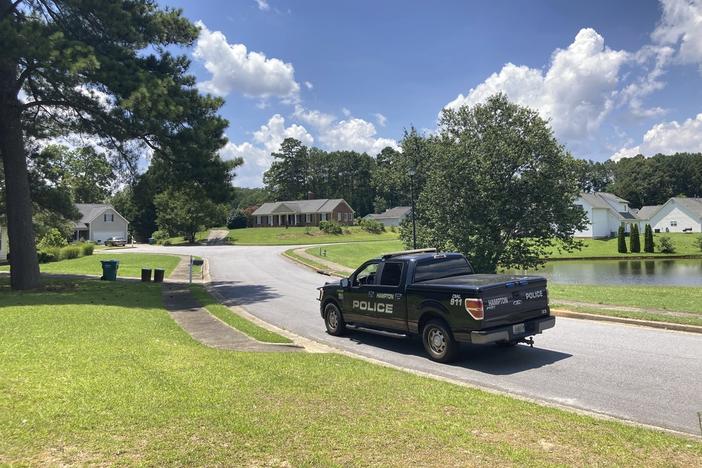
206	328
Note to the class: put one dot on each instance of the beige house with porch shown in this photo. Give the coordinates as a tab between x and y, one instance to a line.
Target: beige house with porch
303	213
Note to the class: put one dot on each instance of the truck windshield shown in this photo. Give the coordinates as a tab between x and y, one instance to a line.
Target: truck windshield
442	268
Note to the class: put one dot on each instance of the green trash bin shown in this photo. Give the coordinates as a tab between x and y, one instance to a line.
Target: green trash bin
109	270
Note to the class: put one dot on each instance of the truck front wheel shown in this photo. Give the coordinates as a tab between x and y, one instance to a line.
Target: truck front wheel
333	320
438	341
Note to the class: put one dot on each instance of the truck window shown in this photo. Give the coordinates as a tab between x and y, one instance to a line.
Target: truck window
366	276
442	268
392	274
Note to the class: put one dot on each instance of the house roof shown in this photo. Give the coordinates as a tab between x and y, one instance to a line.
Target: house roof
90	211
693	205
601	199
646	212
392	213
320	205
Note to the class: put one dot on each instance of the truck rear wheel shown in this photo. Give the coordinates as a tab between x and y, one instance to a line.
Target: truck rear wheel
438	342
333	320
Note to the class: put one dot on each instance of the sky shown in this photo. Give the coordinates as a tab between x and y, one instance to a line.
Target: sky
614	79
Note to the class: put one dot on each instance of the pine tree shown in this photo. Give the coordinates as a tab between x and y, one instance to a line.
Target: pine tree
648	239
635	241
621	240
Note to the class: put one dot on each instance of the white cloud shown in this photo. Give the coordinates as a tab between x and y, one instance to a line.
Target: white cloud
346	112
355	134
576	92
257	154
381	119
309	85
315	118
667	138
263	5
235	69
681	26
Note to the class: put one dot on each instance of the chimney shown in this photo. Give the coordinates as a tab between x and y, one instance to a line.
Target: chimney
310	195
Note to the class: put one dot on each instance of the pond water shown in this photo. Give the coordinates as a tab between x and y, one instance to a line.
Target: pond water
669	272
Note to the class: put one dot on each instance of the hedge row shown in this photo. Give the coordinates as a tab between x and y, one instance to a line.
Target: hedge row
54	254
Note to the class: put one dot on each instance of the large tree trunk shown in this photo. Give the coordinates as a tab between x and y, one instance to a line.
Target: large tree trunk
23	255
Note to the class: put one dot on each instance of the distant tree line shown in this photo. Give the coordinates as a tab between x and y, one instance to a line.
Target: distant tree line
644	181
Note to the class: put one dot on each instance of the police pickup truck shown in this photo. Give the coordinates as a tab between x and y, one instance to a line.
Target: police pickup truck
438	297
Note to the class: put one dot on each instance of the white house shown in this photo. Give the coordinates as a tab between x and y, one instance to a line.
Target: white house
99	222
605	213
4	243
391	216
678	214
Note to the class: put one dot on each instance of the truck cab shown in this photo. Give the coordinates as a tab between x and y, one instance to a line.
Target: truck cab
438	297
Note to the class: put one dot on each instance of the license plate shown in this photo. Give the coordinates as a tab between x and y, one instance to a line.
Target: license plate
518	328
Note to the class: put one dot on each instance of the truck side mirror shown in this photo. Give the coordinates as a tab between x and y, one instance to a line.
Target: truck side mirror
344	283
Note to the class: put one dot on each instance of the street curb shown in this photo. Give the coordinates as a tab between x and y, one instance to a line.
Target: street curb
628	321
307	265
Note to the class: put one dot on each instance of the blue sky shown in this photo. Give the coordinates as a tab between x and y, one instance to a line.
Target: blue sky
615	78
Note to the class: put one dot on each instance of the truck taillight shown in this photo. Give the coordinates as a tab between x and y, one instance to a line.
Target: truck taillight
475	308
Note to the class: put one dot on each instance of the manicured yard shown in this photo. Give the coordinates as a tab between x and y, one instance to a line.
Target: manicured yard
130	264
683	243
223	313
352	255
301	236
97	373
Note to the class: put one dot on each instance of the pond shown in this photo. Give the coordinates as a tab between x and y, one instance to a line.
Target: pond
668	272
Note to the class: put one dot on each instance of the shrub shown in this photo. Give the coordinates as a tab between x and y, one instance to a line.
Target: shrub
330	227
166	242
665	245
635	242
649	246
698	243
50	254
393	229
160	236
53	238
372	226
621	240
72	251
236	219
86	249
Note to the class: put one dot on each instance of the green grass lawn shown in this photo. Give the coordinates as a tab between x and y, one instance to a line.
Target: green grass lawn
301	235
199	237
223	313
96	373
352	255
683	243
130	264
667	298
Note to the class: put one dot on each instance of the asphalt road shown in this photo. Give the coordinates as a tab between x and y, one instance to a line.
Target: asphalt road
646	375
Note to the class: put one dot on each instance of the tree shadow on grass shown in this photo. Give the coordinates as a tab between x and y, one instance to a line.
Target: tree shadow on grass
488	359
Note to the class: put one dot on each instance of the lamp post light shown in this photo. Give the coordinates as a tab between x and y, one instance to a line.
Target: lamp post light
411	174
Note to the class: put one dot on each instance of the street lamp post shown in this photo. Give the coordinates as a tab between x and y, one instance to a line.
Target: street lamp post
411	174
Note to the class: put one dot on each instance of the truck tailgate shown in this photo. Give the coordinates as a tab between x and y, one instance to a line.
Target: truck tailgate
514	301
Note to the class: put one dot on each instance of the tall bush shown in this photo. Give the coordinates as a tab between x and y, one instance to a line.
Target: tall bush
86	249
237	219
372	226
649	246
635	240
621	240
53	238
665	245
69	252
330	227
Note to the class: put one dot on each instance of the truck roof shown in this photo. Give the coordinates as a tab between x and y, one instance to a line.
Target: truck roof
416	255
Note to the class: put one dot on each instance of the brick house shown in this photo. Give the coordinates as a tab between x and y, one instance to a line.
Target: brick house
303	213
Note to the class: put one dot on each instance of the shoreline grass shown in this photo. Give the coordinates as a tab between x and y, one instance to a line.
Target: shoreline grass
223	313
97	373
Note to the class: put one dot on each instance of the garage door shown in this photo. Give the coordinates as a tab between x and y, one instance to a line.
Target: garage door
102	236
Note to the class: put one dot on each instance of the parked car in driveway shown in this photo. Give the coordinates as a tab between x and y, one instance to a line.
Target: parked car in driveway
116	242
440	298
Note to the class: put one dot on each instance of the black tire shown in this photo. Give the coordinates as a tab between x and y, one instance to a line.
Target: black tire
438	341
333	320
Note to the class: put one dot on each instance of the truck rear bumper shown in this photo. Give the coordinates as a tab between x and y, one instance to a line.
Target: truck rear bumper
508	332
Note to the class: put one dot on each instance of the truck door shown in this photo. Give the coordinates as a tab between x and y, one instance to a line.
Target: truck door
359	298
390	310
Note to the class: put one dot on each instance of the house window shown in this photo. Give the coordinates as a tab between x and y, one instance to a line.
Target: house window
258	220
307	217
109	218
323	217
338	216
673	223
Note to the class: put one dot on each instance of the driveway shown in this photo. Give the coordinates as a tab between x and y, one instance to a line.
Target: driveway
646	375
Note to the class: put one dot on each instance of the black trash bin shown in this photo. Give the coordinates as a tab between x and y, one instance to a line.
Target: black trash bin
158	275
146	275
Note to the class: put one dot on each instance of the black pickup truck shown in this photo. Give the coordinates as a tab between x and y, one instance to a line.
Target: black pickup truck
440	298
